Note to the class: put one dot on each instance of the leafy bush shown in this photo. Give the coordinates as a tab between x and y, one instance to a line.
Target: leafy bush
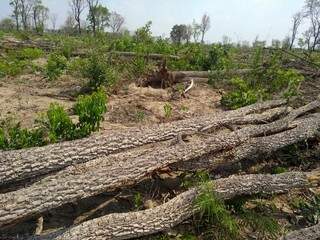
99	73
12	136
90	110
12	67
59	124
30	54
55	66
242	95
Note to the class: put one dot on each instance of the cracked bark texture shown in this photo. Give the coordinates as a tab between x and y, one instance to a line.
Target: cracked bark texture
312	233
164	217
116	171
28	163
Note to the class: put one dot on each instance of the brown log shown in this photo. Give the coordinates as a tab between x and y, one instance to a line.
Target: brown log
311	233
29	163
116	171
259	148
163	218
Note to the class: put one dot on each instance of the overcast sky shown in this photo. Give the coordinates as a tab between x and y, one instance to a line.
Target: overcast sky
238	19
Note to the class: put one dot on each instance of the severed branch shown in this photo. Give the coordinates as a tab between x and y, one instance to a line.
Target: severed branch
116	171
162	218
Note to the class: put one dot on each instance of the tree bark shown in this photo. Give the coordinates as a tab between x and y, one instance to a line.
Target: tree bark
119	171
162	218
29	163
312	233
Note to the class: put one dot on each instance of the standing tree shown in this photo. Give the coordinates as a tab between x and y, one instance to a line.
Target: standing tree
25	10
69	25
116	22
40	15
7	24
92	18
77	7
188	33
53	20
16	12
196	31
296	21
312	12
204	26
178	33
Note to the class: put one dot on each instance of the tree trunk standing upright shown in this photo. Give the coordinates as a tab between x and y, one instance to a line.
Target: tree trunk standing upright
16	12
296	20
77	7
92	14
204	26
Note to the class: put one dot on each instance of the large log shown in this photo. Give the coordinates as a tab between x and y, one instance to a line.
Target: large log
28	163
118	171
163	218
311	233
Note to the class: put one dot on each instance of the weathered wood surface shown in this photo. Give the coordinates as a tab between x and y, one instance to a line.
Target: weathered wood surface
312	233
162	218
124	169
28	163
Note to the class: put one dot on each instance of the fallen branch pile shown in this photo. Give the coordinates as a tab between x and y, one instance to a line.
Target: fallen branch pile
67	172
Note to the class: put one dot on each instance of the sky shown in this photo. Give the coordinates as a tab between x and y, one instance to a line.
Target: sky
238	19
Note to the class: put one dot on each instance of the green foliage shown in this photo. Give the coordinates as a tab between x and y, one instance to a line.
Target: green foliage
56	125
278	170
13	136
30	54
138	201
99	73
140	116
167	110
91	110
310	209
266	226
241	96
12	67
55	66
59	124
213	211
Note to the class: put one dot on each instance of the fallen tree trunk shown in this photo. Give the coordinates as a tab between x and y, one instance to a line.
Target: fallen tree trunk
28	163
118	171
163	218
259	148
312	233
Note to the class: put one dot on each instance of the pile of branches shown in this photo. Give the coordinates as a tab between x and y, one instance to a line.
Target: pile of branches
34	181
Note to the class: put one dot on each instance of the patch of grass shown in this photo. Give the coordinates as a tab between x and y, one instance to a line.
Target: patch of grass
30	54
309	209
167	110
138	201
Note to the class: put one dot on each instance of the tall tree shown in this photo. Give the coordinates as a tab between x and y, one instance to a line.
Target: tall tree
204	26
189	32
77	7
7	24
312	12
92	4
296	22
25	10
53	20
178	33
16	12
116	21
40	15
196	31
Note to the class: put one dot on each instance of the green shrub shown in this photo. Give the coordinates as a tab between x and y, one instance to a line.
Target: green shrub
13	136
241	96
55	66
59	124
12	67
91	110
30	54
99	73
